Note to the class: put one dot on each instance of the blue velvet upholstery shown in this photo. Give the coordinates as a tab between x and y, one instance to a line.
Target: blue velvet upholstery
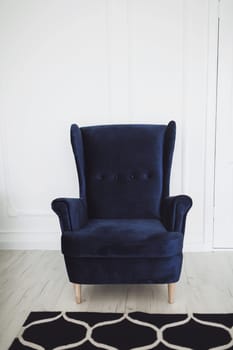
124	228
124	170
72	213
145	238
127	270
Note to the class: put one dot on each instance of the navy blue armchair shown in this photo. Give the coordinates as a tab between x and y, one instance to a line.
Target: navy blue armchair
124	228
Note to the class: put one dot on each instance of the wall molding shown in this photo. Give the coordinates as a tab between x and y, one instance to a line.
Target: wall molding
10	209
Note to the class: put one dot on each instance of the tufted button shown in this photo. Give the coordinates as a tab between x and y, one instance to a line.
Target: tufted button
100	177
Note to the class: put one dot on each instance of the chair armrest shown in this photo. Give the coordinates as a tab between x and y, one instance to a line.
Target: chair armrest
72	213
174	211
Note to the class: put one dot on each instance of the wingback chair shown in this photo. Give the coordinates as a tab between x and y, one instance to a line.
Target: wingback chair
124	228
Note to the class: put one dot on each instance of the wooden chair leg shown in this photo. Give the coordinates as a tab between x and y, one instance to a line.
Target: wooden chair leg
77	290
171	292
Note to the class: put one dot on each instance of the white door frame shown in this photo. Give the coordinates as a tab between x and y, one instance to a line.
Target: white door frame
211	116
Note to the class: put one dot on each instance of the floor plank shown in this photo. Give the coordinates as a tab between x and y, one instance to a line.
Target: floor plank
37	280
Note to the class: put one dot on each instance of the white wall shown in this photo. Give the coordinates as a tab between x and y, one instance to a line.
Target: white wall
95	62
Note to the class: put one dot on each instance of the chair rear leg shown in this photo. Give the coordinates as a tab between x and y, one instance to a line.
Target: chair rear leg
171	292
77	291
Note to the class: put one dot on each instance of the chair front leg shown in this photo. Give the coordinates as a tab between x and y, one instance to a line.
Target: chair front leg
171	292
77	290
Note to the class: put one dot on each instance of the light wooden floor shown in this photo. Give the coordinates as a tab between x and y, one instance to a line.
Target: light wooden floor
37	280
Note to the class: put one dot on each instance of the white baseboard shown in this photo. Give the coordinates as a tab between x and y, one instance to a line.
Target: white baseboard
30	240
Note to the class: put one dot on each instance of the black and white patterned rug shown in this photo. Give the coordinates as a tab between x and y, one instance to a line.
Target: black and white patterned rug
135	330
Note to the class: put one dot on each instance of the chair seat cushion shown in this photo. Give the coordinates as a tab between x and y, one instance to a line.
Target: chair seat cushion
123	238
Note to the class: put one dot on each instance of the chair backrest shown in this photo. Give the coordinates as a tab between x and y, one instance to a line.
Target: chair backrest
124	170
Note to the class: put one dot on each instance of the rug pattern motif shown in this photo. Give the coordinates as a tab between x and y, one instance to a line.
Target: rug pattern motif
135	331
